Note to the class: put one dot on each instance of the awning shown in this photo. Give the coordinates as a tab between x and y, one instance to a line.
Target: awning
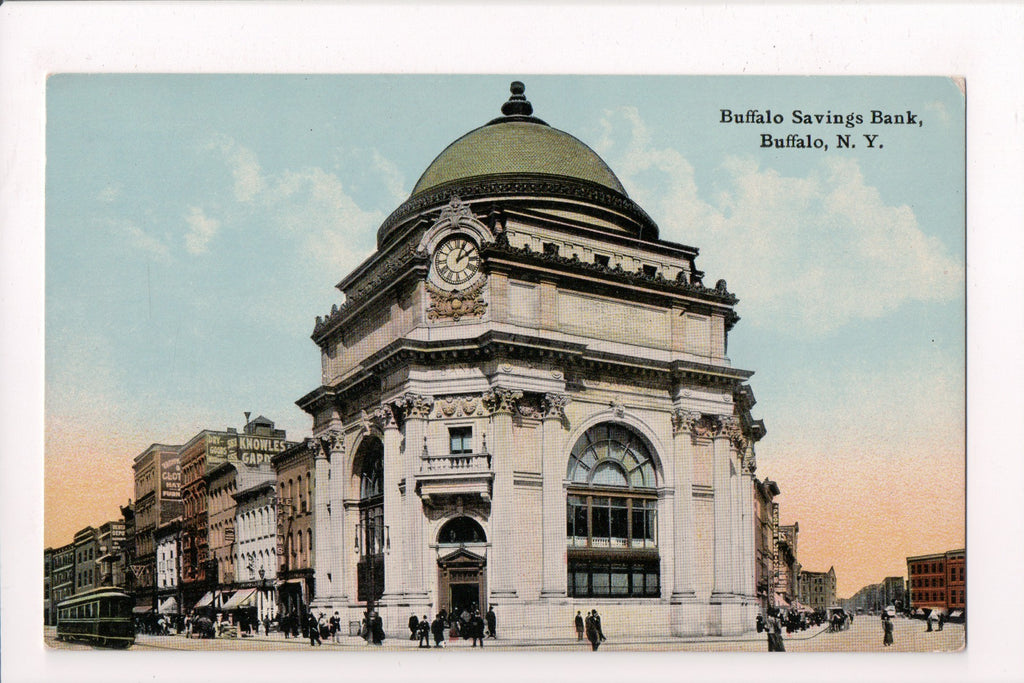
955	614
168	606
781	600
142	609
205	601
243	598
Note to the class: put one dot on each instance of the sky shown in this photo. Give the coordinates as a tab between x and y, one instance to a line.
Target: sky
197	225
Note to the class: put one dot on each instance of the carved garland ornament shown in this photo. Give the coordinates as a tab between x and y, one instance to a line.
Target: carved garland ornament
458	406
455	305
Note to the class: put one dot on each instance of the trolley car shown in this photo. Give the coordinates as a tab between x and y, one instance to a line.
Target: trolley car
102	617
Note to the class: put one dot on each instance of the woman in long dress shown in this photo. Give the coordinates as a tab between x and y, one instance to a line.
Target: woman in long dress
887	629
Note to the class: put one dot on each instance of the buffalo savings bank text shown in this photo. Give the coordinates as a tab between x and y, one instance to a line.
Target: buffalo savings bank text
844	140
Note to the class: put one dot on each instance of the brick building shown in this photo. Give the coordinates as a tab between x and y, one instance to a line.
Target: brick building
938	580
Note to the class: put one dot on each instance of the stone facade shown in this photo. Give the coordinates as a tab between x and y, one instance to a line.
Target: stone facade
526	404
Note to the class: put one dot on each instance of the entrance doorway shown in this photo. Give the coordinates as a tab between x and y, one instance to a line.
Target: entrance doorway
462	582
464	597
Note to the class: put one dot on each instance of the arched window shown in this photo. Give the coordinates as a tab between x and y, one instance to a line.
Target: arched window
611	515
371	538
461	530
309	544
309	491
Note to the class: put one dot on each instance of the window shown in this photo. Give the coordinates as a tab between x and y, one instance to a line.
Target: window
461	439
550	249
601	260
611	516
650	271
370	538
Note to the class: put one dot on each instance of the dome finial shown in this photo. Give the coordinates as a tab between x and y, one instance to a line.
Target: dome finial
517	104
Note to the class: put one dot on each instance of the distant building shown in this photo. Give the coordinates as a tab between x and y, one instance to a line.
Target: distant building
210	464
293	468
893	592
86	545
938	580
47	590
157	501
787	585
766	530
62	577
128	563
110	546
168	567
868	598
818	589
256	544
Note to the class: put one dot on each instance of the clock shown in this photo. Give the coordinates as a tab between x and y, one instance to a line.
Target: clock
457	260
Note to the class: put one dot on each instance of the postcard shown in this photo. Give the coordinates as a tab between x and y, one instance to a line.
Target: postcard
528	361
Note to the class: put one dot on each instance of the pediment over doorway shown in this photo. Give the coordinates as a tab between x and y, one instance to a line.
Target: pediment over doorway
461	556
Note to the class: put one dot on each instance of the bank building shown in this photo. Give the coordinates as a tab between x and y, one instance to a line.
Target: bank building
526	405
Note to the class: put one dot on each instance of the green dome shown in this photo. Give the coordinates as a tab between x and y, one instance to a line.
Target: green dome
517	144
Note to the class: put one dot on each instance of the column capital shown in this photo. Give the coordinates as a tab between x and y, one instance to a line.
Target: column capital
382	417
500	400
553	406
325	444
415	406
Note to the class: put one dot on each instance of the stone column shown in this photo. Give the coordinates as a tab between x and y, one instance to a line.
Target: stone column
553	582
333	441
417	409
684	538
723	552
749	525
321	522
394	586
501	402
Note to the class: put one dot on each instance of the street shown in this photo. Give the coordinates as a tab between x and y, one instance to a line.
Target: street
865	635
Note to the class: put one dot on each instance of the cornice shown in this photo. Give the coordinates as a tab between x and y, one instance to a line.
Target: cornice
521	184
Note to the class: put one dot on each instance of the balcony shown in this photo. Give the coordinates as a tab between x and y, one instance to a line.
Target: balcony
454	474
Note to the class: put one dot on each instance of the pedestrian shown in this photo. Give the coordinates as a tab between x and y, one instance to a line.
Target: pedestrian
336	628
942	620
377	629
423	631
313	629
414	626
597	625
492	622
928	619
476	628
438	628
887	630
578	622
592	635
775	642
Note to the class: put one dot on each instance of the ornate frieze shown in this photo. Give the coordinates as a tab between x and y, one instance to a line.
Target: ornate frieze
459	406
455	305
500	400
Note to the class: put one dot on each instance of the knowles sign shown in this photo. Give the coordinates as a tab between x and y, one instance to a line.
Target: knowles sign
256	450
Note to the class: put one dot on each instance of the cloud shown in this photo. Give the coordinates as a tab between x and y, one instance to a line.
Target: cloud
138	238
311	204
391	176
806	254
244	165
201	230
109	194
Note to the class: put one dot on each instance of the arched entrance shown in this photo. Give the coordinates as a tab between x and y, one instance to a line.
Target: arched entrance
461	566
370	530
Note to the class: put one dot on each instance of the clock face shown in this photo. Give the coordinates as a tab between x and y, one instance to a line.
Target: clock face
457	260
